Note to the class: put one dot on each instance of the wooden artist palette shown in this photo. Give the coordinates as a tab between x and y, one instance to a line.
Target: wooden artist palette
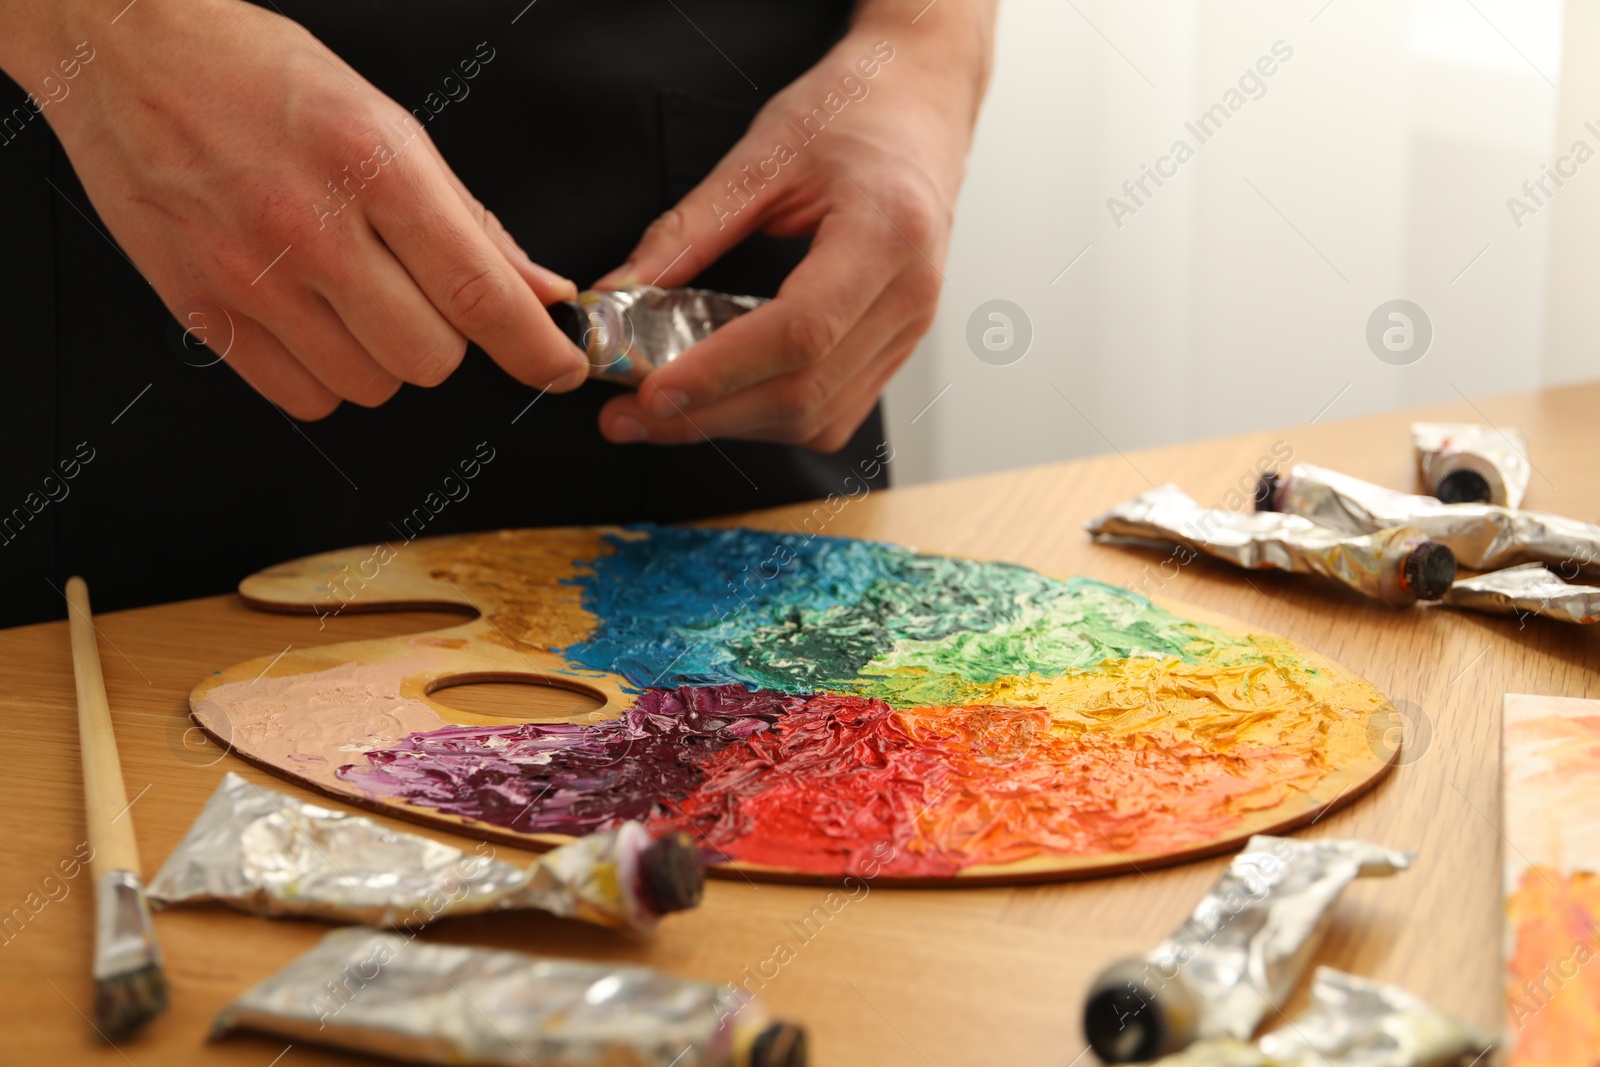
809	708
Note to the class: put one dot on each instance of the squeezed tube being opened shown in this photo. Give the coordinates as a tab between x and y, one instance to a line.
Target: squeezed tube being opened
628	333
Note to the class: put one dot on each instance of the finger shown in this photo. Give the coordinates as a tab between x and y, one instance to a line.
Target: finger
702	226
844	411
787	408
323	346
474	286
864	394
546	284
390	318
261	360
852	260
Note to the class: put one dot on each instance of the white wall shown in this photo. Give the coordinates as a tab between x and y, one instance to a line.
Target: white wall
1390	141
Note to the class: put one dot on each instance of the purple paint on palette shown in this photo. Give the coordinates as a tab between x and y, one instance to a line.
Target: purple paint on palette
572	778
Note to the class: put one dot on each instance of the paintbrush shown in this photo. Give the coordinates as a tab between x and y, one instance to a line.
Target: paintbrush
129	988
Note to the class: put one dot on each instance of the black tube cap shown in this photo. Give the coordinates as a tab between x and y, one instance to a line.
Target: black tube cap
1267	492
1463	487
1134	1014
672	873
779	1045
1429	569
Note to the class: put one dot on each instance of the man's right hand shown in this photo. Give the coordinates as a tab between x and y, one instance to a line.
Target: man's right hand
207	133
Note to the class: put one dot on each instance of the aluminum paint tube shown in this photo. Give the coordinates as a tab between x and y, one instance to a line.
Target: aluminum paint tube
1239	954
1484	537
1217	1052
1356	1022
1352	1022
1530	589
1463	463
1398	566
269	853
388	995
627	333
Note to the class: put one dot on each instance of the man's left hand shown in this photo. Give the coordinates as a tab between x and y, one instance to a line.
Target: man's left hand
865	153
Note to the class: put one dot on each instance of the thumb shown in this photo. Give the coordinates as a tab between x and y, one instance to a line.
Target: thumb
725	208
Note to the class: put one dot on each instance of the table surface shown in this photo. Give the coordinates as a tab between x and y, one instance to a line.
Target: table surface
943	978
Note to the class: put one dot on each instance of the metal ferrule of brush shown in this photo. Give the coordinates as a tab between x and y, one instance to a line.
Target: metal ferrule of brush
123	938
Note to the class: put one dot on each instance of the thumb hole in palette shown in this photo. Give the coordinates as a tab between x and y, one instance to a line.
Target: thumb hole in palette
497	698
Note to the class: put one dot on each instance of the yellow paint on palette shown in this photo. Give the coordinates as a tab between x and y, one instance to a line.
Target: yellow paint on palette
524	580
1220	702
1148	752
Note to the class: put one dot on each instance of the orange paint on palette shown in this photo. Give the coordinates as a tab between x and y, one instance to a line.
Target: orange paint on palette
1075	791
952	788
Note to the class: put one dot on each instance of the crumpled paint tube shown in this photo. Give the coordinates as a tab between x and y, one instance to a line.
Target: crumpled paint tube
1352	1022
272	854
1356	1022
1463	463
1216	1052
1530	589
386	994
627	333
1237	957
1484	537
1398	566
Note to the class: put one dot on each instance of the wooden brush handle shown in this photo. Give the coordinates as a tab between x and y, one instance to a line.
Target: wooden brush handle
105	799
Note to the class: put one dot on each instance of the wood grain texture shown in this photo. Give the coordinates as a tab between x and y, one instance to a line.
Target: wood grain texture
511	640
913	977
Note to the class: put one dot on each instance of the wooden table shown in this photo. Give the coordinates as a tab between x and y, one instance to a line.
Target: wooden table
935	977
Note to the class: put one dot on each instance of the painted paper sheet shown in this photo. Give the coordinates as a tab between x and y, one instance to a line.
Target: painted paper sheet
1551	793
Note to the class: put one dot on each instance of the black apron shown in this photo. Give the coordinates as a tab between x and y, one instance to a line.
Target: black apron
159	480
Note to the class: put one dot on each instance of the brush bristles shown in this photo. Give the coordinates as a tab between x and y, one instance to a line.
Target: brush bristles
125	1002
129	987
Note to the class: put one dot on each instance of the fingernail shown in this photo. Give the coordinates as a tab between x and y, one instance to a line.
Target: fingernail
664	403
620	278
549	276
568	382
566	286
627	431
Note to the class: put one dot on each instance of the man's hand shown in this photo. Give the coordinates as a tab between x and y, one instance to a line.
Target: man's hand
866	152
289	213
